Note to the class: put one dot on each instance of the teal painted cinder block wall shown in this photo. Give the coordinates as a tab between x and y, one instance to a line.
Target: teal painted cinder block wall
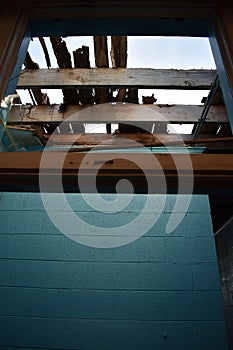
161	291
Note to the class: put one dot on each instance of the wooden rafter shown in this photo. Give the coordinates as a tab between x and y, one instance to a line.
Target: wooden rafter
118	78
116	113
64	61
40	97
101	61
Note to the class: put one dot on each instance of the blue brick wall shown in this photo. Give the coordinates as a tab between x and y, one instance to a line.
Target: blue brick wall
160	292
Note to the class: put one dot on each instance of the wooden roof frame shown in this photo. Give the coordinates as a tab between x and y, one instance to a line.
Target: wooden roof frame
95	18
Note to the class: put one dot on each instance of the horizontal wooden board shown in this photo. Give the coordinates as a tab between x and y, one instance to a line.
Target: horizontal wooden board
194	79
30	161
115	113
151	140
212	173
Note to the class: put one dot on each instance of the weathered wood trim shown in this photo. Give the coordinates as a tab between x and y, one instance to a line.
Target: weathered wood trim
222	44
212	174
116	113
224	33
117	78
13	23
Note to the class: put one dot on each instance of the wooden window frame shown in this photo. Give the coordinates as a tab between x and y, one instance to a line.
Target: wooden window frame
174	17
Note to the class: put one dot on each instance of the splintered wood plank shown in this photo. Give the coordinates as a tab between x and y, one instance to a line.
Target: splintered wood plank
40	97
41	114
119	51
64	61
78	139
118	55
81	60
117	78
116	113
101	61
45	50
212	174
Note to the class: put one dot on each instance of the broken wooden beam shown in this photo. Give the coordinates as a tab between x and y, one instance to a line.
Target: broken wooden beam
195	79
64	61
81	60
115	113
212	174
101	61
118	55
40	97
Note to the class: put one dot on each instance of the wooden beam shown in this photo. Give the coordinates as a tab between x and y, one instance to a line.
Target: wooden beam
142	138
101	61
212	174
118	55
212	143
95	139
117	78
82	60
40	97
127	9
116	113
64	61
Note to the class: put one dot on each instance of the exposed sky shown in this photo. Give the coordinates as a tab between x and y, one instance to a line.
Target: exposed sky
143	52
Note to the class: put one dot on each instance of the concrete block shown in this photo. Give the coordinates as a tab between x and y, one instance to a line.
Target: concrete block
11	201
20	222
190	249
105	334
61	248
212	335
206	276
87	275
